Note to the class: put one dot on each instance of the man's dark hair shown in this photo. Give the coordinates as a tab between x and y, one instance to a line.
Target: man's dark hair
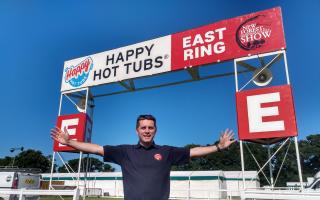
148	117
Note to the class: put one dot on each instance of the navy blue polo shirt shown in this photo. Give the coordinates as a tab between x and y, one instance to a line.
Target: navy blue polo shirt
146	171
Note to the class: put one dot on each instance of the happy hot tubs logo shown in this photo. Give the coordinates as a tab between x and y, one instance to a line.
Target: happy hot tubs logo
77	75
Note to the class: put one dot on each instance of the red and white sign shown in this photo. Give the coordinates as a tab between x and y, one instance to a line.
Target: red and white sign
250	34
229	39
266	113
79	127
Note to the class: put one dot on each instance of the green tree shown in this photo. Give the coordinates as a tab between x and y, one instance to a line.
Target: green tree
260	153
225	160
6	161
32	159
310	155
95	165
286	161
230	160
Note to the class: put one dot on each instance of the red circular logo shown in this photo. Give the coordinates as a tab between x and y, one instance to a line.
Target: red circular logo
157	156
254	32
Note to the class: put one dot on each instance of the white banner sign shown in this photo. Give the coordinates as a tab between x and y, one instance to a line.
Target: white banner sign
141	59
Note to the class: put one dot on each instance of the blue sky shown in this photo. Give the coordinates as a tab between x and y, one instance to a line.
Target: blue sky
36	37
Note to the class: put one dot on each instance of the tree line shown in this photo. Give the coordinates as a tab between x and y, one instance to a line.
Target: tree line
35	159
285	159
226	160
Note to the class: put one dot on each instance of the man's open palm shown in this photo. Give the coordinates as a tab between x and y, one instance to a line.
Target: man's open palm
226	139
59	135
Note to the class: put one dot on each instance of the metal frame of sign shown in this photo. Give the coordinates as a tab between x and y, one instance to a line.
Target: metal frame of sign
252	34
242	62
74	96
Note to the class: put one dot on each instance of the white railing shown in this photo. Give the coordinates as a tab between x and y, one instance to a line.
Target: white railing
22	192
204	194
279	194
258	193
195	194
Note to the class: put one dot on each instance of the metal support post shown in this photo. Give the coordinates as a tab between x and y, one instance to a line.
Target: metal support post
52	167
270	167
79	169
242	166
298	162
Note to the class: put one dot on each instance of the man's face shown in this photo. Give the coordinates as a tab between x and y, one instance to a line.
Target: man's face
146	132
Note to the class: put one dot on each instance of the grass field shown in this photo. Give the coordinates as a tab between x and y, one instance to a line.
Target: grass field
70	198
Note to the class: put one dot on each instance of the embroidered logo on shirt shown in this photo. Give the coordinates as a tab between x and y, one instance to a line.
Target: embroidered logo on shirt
157	156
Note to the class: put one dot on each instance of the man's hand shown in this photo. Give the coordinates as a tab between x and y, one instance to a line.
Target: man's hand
63	137
60	136
226	139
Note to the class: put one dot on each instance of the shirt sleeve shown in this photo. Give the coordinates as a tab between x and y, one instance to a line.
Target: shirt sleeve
179	156
114	154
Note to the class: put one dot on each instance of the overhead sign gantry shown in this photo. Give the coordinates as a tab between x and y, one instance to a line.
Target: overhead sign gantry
253	36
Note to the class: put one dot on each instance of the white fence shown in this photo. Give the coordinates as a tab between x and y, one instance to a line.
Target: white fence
23	192
198	194
280	194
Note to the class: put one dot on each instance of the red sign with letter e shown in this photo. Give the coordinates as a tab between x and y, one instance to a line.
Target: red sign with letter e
266	113
76	127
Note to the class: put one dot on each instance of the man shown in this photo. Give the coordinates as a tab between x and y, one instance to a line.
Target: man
145	166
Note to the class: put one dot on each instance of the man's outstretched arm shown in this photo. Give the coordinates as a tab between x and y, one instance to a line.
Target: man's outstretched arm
63	138
226	139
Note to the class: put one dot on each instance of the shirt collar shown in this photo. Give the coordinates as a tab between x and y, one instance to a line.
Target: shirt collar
153	145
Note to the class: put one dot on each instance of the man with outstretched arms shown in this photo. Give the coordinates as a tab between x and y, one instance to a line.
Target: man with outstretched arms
146	165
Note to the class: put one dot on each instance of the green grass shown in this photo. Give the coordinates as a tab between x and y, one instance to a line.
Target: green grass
81	198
